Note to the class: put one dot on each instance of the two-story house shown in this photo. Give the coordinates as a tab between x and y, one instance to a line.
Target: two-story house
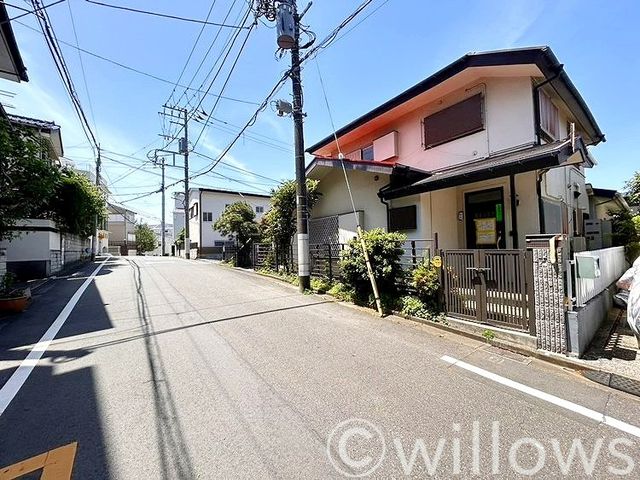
478	155
205	207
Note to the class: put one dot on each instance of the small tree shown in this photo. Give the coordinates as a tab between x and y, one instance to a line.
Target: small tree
77	205
146	239
179	241
632	189
279	223
28	180
385	251
237	222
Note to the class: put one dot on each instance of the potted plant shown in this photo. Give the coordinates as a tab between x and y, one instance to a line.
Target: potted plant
13	300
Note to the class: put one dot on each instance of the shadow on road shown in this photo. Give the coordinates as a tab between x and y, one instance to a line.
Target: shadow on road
52	410
175	457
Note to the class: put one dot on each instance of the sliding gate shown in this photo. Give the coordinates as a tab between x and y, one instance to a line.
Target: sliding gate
490	286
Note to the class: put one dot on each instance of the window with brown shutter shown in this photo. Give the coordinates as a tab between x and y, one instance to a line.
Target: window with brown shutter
459	120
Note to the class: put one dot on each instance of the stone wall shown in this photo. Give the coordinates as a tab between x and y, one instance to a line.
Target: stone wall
75	249
56	261
549	291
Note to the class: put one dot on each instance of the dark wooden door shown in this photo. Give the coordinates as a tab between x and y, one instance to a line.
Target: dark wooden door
484	213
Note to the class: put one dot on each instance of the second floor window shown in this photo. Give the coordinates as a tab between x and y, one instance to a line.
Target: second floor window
259	209
207	216
548	116
463	118
367	153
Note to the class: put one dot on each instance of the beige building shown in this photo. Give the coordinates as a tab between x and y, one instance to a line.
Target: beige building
484	152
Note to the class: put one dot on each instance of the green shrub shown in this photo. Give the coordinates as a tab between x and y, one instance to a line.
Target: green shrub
385	250
426	282
632	251
320	285
342	292
414	307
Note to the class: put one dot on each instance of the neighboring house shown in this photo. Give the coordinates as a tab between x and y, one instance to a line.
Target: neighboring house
46	130
598	228
40	249
122	228
168	238
205	207
604	201
478	155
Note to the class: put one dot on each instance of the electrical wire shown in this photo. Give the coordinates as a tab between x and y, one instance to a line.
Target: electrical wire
28	12
324	44
84	75
60	64
193	48
163	15
140	72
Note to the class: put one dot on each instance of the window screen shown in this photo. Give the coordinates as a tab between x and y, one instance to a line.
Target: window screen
367	153
402	218
463	118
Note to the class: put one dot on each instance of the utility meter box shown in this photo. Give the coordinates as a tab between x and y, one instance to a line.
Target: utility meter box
588	266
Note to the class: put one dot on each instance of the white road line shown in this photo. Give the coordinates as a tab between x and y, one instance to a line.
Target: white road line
15	382
573	407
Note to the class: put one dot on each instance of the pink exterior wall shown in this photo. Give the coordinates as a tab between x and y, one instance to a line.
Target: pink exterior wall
509	123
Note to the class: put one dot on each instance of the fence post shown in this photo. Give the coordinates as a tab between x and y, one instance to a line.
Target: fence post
413	252
330	263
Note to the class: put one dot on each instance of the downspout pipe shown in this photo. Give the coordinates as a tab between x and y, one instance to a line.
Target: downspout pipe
385	203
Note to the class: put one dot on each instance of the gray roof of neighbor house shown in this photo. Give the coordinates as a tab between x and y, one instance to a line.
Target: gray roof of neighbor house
533	158
11	64
42	126
543	57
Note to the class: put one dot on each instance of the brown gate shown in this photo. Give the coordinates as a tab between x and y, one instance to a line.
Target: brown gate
490	286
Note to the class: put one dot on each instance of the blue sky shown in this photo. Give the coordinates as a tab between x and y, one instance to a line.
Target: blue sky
399	44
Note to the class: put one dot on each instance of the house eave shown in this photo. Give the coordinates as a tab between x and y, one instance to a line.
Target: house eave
19	72
543	57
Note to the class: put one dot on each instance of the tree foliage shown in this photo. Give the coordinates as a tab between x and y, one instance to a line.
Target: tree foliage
385	251
28	181
238	222
32	187
78	204
632	189
146	239
279	223
179	241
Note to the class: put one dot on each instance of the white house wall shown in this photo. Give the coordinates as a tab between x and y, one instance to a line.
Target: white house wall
215	202
335	197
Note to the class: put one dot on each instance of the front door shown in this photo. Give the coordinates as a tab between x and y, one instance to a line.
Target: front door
484	212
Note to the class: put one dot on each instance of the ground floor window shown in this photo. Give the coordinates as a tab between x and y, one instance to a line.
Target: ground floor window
403	218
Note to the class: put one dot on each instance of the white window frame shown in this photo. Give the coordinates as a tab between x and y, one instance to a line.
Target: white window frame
259	209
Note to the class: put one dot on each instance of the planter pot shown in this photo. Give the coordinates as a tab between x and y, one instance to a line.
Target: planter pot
17	304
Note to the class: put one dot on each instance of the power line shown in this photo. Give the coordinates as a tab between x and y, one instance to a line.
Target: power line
323	44
84	75
164	15
60	64
140	72
28	12
195	44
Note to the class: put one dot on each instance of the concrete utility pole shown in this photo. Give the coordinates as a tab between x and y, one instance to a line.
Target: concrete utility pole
162	222
184	147
289	38
96	241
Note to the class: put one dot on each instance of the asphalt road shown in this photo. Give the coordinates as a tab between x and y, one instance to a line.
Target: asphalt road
175	369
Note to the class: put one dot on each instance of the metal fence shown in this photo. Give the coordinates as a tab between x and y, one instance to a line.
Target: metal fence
594	270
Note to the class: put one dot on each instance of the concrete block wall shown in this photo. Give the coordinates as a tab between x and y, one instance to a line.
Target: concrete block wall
56	261
75	249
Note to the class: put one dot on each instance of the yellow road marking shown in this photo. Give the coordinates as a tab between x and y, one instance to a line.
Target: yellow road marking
56	464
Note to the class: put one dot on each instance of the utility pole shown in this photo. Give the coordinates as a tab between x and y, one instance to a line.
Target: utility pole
95	242
288	22
184	147
162	221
